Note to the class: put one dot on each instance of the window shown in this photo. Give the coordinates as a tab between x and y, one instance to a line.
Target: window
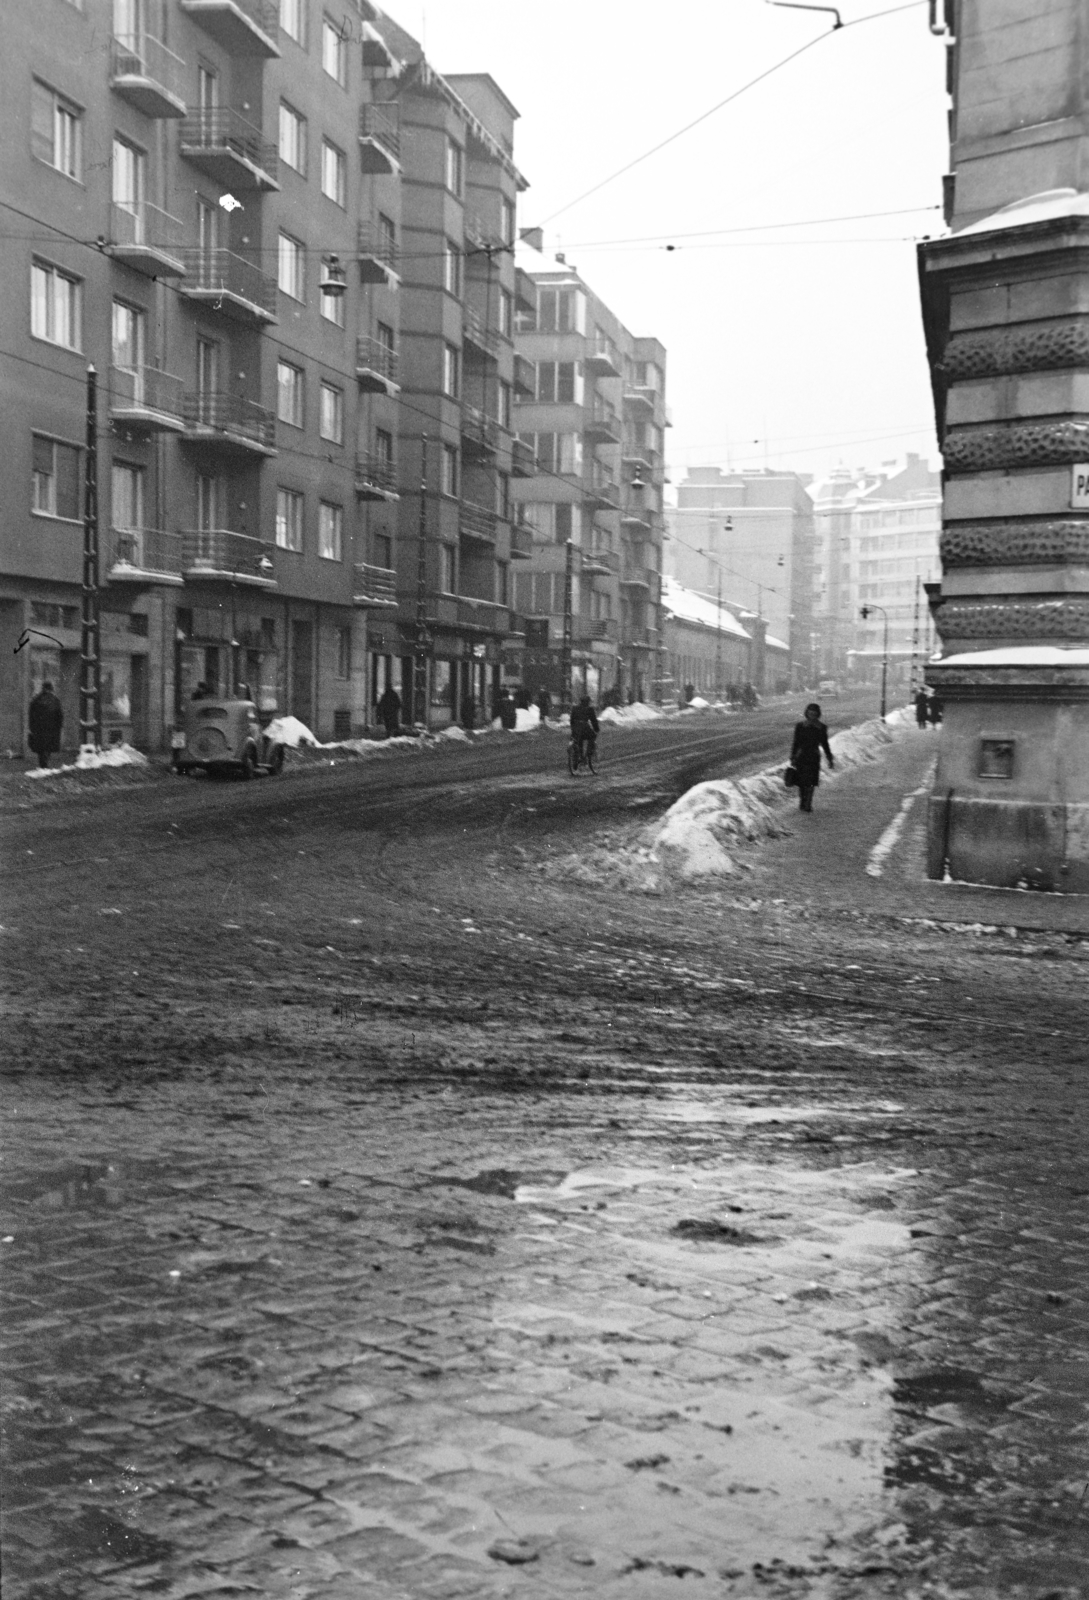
128	336
330	531
289	393
334	173
447	569
504	404
209	500
332	306
506	220
334	51
292	267
383	448
385	337
207	88
382	549
451	269
559	380
451	371
207	366
568	524
128	176
451	477
387	236
55	130
207	230
455	167
556	452
293	19
344	652
506	313
561	311
55	300
502	583
126	496
54	478
292	137
289	519
996	758
332	413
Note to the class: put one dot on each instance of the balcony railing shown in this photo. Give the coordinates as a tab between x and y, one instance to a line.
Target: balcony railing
375	476
231	149
140	555
487	615
148	75
603	425
375	365
230	284
377	253
379	140
478	235
521	542
373	587
144	397
477	521
585	630
525	377
639	395
479	432
603	359
214	416
477	332
523	463
634	575
244	27
222	553
600	561
605	491
146	239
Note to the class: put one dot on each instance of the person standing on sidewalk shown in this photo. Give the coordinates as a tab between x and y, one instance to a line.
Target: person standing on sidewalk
922	708
810	738
45	719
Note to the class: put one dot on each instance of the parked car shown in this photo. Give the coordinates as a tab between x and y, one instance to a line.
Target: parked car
225	736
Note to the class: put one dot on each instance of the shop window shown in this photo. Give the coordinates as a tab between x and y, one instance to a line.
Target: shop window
996	758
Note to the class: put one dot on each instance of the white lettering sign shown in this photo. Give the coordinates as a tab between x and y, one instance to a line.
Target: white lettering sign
1079	486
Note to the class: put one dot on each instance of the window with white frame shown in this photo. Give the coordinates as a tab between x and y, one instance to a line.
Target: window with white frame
332	413
560	381
55	129
334	51
506	314
54	478
334	173
126	496
503	403
292	267
330	531
129	323
447	569
561	311
55	305
292	137
451	371
455	167
289	519
289	393
293	19
451	475
383	448
451	268
129	168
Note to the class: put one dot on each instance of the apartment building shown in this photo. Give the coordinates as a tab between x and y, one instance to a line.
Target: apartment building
203	202
590	410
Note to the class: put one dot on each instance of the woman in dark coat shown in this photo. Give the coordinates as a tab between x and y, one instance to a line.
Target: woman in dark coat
45	721
810	738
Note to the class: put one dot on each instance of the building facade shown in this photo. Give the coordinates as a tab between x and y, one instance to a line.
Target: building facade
589	408
285	246
705	647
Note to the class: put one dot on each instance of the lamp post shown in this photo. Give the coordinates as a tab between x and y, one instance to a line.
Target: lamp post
884	652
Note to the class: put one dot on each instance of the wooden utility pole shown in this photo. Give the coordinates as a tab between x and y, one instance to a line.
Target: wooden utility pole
423	637
90	655
566	686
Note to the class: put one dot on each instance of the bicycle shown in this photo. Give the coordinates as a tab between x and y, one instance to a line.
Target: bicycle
580	755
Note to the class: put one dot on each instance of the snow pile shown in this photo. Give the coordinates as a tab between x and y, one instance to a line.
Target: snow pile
91	759
524	720
628	716
698	703
454	735
290	731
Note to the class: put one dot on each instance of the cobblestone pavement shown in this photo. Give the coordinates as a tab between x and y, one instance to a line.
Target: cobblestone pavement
427	1227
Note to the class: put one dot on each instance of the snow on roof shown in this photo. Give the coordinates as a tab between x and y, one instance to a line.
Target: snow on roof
1021	655
687	606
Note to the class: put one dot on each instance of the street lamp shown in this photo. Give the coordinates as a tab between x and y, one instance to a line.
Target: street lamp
884	651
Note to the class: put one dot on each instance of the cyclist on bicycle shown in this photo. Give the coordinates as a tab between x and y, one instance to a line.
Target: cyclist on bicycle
584	727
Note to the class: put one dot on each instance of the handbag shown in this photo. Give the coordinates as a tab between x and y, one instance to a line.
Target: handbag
790	777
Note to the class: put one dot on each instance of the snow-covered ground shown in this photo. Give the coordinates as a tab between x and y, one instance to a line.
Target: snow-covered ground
91	759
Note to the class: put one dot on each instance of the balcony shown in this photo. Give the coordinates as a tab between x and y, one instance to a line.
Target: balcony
603	359
147	399
230	284
373	588
521	541
640	398
640	458
635	576
637	523
594	630
376	366
523	463
600	562
478	236
525	291
141	556
478	336
483	616
603	425
604	493
375	476
229	422
148	75
477	522
244	27
379	140
516	625
525	378
215	554
377	255
479	434
222	143
146	239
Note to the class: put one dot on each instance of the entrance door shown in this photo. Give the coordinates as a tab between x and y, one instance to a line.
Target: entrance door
302	671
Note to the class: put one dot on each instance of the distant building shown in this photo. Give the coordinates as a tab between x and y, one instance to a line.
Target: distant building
706	648
749	535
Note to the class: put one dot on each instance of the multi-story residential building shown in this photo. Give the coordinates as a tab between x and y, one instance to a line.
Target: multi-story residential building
590	408
749	535
204	203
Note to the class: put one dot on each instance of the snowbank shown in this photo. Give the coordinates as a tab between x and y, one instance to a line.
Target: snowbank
290	731
91	759
628	716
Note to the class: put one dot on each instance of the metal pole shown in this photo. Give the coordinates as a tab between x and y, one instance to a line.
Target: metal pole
419	686
90	678
566	687
718	643
884	666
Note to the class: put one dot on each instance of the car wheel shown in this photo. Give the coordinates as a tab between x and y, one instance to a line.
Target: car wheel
249	762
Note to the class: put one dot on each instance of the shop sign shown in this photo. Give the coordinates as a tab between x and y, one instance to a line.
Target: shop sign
1079	486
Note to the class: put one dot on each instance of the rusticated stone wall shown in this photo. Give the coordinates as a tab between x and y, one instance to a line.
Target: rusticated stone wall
1015	544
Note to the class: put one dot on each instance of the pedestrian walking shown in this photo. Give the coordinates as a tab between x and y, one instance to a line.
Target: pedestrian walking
922	707
45	719
810	738
507	710
935	710
544	704
389	709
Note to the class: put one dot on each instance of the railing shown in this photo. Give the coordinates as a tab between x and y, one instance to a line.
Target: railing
213	274
145	550
640	394
521	540
231	415
140	225
375	472
260	12
143	56
603	417
598	556
478	234
489	614
604	352
587	629
215	551
477	520
523	463
223	131
373	585
376	123
633	572
605	489
525	376
372	355
373	242
477	330
479	430
146	389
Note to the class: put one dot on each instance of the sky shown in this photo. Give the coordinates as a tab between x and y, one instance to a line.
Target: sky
787	346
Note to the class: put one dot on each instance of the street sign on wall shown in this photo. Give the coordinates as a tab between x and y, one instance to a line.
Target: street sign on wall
1079	486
